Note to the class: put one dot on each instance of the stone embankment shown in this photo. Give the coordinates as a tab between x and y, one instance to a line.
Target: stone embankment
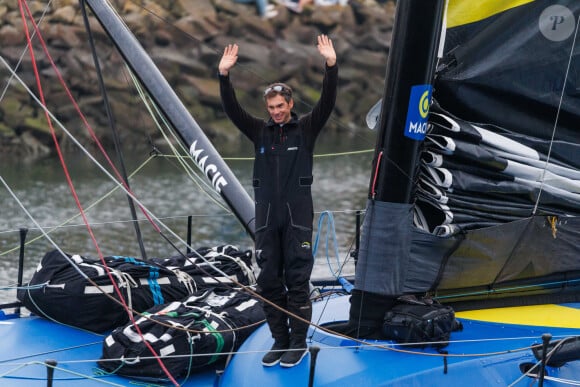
185	39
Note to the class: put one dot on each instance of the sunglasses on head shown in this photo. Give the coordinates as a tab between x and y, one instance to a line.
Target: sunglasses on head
278	89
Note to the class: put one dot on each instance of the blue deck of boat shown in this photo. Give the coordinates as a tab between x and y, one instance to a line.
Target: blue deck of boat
26	343
495	347
484	353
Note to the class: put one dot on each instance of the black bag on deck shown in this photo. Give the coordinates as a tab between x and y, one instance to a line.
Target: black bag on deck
58	291
236	264
193	334
424	321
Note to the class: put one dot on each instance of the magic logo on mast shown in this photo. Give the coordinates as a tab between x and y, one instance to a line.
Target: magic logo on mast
211	170
418	111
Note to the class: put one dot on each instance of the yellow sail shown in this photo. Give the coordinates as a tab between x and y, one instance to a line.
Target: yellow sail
537	315
461	12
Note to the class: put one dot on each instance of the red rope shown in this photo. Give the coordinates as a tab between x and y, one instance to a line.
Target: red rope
68	177
84	120
376	174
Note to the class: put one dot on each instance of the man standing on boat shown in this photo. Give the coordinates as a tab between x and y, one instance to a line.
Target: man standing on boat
284	147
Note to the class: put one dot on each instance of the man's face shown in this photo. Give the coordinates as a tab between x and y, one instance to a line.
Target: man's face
279	109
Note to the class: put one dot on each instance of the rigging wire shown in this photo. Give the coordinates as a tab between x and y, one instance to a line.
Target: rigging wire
250	158
24	51
253	293
22	4
340	347
147	213
160	119
119	185
121	301
111	119
385	346
247	68
73	101
98	379
542	180
246	289
66	222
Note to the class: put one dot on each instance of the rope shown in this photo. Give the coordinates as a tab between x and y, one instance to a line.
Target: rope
248	68
318	155
44	353
116	138
161	122
66	222
542	179
85	151
331	232
49	116
23	4
327	234
569	382
371	344
27	287
65	370
376	174
9	80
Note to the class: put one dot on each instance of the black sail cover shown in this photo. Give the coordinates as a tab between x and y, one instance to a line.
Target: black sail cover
498	193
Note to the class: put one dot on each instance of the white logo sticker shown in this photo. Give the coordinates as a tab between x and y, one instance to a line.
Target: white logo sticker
557	23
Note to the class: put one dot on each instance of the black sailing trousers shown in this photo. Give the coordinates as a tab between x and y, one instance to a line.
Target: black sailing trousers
284	254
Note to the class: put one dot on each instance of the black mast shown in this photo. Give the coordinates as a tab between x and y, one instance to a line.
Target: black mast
382	269
201	149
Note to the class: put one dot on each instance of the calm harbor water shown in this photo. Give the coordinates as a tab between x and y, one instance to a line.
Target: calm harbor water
341	185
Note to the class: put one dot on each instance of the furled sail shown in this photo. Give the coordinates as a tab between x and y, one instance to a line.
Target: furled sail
498	191
497	195
505	144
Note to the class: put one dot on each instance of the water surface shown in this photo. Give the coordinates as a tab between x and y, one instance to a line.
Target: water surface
340	186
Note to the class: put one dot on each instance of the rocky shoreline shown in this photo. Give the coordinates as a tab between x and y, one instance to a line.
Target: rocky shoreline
185	39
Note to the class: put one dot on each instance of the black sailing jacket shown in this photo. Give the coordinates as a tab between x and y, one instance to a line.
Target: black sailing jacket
283	154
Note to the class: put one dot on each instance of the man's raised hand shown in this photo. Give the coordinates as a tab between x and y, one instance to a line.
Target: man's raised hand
326	49
229	59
